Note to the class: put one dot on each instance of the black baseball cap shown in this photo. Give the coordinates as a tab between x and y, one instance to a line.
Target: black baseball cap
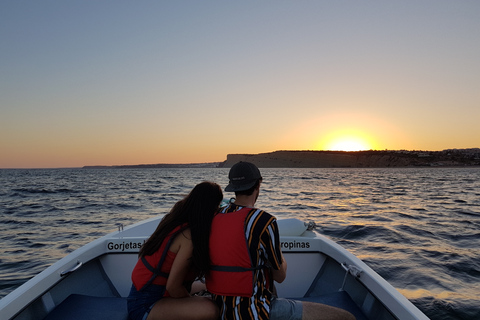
243	175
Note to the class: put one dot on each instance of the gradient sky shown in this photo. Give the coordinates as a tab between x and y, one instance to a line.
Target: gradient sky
140	82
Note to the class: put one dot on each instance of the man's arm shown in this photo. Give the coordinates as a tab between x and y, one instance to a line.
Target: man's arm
280	274
277	261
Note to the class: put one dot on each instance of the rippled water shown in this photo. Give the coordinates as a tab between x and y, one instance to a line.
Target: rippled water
419	228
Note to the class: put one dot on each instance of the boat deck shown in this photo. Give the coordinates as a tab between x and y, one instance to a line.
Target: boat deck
98	296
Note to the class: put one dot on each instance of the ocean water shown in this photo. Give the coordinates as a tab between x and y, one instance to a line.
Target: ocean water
419	228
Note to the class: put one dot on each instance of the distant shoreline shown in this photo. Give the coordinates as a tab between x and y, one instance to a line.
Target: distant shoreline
159	165
334	159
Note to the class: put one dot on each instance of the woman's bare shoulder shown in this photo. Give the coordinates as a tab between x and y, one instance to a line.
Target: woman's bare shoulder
187	234
182	239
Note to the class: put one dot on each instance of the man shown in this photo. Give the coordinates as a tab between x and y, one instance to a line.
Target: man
246	259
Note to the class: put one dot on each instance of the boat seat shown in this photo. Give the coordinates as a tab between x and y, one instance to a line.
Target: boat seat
82	307
339	299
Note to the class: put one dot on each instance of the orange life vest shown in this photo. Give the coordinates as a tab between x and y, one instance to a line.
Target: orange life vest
148	277
232	271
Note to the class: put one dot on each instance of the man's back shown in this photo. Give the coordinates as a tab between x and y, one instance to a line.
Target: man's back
260	237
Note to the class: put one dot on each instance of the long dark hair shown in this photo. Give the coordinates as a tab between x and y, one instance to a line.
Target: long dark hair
197	210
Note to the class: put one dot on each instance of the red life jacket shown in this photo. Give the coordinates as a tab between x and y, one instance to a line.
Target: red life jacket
232	271
156	271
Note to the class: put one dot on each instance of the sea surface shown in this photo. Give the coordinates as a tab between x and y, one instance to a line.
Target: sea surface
419	228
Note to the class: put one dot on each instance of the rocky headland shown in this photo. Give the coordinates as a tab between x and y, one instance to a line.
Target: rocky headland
358	159
335	159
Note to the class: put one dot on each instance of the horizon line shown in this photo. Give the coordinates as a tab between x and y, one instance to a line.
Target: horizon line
217	162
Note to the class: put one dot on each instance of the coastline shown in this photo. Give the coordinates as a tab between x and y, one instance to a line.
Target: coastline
334	159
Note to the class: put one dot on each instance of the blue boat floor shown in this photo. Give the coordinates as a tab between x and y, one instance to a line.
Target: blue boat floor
82	307
339	299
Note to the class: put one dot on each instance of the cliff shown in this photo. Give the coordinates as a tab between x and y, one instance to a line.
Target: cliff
333	159
358	159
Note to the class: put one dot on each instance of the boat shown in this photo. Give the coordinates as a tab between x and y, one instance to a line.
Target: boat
93	281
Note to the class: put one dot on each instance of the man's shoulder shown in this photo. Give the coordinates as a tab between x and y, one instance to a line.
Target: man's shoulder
261	216
263	213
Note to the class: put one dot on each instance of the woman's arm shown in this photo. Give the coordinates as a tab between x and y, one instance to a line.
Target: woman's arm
181	265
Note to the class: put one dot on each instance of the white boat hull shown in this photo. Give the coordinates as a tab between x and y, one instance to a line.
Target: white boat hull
318	268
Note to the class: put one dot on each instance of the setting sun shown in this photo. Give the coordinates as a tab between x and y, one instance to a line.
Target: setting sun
348	144
347	140
343	132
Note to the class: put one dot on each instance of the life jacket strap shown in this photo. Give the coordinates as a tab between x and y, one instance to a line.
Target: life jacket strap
235	268
156	271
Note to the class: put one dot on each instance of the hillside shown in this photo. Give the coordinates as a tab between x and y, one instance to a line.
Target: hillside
359	159
333	159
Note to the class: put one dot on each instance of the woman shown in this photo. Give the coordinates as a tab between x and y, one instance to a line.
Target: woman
175	255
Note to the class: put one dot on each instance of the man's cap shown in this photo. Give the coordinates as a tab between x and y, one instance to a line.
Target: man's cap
243	176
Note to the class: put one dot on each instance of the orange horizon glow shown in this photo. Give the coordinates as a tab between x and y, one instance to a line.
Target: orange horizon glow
344	132
347	140
350	144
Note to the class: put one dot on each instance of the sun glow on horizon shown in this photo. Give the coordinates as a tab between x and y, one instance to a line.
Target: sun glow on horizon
344	132
348	144
347	140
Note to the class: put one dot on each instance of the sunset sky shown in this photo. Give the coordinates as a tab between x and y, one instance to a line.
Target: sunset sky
141	82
